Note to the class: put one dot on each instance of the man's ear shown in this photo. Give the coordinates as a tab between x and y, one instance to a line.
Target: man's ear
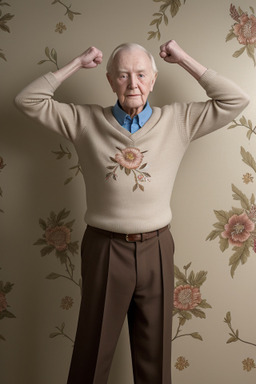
110	80
153	81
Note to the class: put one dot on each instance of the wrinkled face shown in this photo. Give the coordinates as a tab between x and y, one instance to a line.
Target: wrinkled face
132	79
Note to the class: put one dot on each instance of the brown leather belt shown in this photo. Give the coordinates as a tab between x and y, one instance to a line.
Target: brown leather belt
130	238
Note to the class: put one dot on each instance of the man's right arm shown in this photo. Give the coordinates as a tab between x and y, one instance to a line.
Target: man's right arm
36	100
91	58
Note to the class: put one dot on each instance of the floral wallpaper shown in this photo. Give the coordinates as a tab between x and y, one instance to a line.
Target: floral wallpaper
42	192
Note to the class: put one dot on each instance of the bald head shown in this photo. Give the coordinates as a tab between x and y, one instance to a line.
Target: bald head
132	47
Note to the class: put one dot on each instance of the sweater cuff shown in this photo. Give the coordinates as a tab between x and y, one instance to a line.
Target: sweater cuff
52	80
207	76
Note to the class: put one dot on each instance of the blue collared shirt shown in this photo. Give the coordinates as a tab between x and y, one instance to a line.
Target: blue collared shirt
132	125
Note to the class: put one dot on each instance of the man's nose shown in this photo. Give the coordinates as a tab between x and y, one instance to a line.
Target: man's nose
133	82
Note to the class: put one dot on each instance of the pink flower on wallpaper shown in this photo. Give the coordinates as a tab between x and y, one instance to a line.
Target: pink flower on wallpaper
130	158
58	237
186	297
3	302
245	30
238	229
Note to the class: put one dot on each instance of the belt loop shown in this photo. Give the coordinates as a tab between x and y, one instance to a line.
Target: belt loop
157	233
141	237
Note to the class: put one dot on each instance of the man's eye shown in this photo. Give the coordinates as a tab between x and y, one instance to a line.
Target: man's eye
141	75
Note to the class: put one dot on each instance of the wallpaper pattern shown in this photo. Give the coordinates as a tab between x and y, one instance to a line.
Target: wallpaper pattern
235	227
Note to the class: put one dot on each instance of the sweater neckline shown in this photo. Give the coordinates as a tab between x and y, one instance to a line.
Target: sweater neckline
154	118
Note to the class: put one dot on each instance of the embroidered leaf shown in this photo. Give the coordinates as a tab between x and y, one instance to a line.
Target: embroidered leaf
112	159
135	187
141	187
143	166
127	171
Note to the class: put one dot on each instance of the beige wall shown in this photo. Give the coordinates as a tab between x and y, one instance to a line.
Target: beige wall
32	182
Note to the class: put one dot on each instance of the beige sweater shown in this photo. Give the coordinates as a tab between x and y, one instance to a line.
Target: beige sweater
129	177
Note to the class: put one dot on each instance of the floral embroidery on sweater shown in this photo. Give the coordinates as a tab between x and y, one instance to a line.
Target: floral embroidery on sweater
131	161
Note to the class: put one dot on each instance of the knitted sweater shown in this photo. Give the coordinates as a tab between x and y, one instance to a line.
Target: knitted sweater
129	177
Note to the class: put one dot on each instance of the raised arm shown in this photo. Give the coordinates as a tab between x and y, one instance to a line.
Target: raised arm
171	52
91	58
36	100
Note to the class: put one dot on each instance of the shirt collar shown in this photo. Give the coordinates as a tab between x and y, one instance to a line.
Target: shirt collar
121	115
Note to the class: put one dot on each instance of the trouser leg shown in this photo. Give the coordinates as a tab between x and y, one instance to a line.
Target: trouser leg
109	279
150	312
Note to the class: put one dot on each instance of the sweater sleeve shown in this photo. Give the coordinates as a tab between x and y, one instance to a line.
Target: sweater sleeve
226	101
37	102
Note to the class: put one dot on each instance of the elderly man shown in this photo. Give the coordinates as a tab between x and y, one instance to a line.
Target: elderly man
130	154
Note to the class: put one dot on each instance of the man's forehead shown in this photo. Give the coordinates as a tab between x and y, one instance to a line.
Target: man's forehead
132	56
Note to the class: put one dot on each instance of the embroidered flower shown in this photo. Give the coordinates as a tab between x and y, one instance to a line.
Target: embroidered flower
3	302
181	363
186	297
67	302
248	364
238	229
130	160
58	237
245	30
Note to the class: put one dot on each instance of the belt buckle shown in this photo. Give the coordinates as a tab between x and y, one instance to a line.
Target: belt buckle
127	239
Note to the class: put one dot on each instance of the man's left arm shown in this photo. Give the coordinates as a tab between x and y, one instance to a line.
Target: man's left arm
227	99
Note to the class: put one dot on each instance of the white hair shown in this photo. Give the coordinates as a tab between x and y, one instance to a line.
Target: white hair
130	46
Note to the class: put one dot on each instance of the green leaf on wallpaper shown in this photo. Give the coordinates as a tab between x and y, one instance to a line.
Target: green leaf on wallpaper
198	313
53	276
175	6
248	159
179	275
224	244
232	339
227	319
63	214
239	52
238	195
198	279
240	256
250	52
213	235
222	216
40	242
230	35
186	315
196	335
46	250
204	304
42	224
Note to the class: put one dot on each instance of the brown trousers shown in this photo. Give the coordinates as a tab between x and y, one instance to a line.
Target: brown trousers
119	279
